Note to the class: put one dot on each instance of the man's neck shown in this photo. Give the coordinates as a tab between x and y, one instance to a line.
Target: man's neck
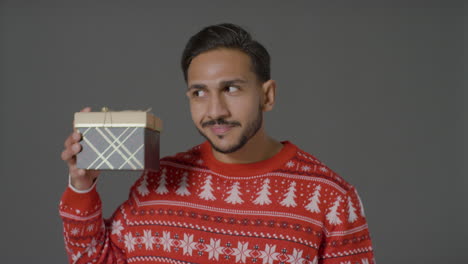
259	147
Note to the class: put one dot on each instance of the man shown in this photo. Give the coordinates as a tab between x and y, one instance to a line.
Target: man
239	197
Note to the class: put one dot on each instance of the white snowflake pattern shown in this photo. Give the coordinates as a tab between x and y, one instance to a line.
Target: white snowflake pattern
305	168
76	257
148	239
129	242
296	257
324	169
117	227
166	241
75	231
187	244
270	254
290	164
242	251
91	249
315	260
90	228
215	249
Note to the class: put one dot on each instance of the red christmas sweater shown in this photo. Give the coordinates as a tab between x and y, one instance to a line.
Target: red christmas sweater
290	208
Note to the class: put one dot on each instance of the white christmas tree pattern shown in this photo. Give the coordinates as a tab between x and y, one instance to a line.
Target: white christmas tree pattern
263	194
182	190
360	204
288	200
207	193
333	216
314	201
352	216
234	194
143	187
162	189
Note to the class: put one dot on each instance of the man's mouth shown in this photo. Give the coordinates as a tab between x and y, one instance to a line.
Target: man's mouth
220	129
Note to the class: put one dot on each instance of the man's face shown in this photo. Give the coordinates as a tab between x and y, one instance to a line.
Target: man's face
225	98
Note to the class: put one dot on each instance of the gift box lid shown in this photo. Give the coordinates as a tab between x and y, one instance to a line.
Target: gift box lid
118	119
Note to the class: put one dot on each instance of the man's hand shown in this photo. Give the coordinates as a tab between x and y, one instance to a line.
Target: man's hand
79	178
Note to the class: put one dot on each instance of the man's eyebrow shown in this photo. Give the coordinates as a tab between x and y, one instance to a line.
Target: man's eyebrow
196	86
234	81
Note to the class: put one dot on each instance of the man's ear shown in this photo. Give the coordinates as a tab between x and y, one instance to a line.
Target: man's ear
268	96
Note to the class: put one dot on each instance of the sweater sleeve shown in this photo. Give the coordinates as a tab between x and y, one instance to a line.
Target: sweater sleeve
88	237
347	237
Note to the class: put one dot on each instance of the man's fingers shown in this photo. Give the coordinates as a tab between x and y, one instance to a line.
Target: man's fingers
73	138
76	148
67	154
68	141
71	151
80	172
76	136
86	109
79	177
72	161
75	172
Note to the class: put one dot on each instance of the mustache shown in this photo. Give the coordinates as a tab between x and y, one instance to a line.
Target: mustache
220	121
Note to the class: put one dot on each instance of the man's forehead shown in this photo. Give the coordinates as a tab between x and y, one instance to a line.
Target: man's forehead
220	65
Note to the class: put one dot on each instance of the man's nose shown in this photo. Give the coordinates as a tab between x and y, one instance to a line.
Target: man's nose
217	108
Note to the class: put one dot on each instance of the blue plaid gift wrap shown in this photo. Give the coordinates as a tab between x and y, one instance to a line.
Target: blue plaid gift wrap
123	140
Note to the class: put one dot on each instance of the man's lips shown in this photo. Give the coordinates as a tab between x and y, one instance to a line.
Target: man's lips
220	129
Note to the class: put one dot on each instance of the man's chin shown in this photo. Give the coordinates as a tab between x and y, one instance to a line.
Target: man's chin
225	145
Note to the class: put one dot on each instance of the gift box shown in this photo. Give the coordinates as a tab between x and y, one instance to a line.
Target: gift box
118	140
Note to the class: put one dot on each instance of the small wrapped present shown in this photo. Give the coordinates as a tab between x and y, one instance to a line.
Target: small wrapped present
122	140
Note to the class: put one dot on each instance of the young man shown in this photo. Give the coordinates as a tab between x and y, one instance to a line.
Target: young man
239	197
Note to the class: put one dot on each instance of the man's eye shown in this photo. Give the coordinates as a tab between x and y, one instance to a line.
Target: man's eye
232	89
199	93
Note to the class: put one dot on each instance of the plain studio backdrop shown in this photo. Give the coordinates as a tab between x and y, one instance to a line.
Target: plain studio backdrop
375	90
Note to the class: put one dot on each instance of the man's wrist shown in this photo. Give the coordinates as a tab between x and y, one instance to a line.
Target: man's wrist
80	190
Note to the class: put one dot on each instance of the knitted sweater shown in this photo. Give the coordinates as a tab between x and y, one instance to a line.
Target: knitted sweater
290	208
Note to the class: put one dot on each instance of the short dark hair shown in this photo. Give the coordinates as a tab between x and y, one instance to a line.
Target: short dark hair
230	36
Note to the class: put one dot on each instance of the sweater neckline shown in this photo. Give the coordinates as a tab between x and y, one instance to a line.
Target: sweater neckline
247	169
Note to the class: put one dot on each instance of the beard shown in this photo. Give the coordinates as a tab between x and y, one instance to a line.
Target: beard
250	131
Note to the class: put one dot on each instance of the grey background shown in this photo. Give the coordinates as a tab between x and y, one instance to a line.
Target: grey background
375	90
